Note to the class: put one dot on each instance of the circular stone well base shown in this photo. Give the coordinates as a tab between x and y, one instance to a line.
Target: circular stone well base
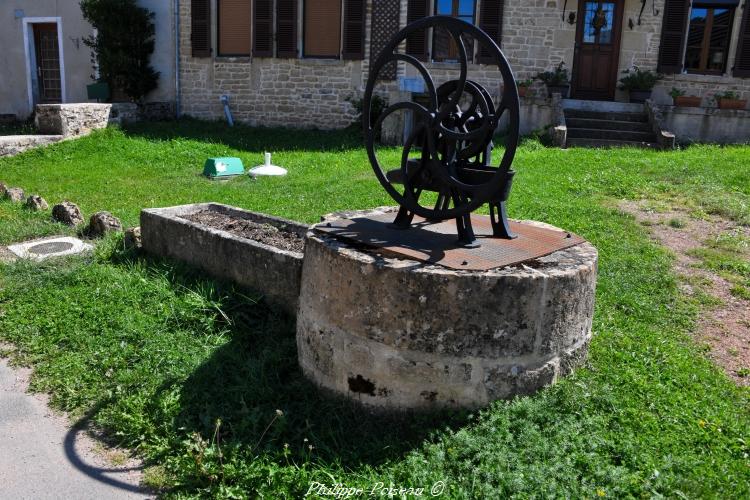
401	334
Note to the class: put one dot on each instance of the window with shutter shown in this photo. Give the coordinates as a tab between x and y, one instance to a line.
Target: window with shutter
444	48
234	27
416	44
354	29
200	28
286	28
322	28
708	39
673	35
263	28
491	22
742	58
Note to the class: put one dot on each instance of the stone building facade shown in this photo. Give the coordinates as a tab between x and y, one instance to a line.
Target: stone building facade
536	35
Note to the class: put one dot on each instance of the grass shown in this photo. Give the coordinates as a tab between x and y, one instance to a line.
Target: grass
190	372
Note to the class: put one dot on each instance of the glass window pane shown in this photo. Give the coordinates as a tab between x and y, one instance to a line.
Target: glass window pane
698	15
693	58
589	32
716	58
466	8
445	7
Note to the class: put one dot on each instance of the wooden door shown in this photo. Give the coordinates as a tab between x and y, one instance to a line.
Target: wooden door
47	69
597	49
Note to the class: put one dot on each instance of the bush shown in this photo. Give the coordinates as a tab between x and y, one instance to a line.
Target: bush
637	79
122	45
556	78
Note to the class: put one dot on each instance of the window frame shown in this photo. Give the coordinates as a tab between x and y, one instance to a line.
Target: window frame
219	53
454	14
706	41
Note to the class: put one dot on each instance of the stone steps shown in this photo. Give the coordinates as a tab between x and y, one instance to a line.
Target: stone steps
607	128
608	143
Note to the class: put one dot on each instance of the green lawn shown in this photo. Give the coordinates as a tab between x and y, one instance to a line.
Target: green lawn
190	373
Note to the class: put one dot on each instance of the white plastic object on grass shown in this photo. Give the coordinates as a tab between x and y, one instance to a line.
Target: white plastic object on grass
267	169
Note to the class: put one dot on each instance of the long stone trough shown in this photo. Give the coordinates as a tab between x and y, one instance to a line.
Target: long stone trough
272	271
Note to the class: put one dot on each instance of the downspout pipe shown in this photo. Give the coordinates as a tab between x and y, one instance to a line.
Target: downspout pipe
177	94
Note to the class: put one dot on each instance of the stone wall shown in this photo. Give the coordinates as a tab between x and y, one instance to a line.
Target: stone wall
71	119
315	93
724	126
11	145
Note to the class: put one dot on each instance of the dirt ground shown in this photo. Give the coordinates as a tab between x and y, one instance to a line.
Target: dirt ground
724	325
264	233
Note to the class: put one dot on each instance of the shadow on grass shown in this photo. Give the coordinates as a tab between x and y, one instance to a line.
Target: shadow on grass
246	138
235	396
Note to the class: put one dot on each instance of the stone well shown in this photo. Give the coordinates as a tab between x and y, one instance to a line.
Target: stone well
402	334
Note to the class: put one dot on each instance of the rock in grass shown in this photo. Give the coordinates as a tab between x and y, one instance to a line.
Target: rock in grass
132	238
102	223
67	213
14	194
36	203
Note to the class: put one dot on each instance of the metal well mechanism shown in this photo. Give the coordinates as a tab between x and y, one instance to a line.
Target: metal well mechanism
449	149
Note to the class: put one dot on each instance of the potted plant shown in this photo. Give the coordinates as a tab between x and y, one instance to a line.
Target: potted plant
639	83
729	100
557	81
684	101
523	87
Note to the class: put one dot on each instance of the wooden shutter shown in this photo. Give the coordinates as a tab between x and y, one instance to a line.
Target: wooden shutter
286	28
491	22
234	27
742	58
354	29
322	28
673	30
200	28
263	28
416	44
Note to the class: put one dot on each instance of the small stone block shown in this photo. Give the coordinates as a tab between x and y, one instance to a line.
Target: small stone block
67	213
102	223
36	203
14	194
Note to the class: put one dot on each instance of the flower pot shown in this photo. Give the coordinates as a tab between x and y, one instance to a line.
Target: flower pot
725	103
639	96
687	101
563	90
523	91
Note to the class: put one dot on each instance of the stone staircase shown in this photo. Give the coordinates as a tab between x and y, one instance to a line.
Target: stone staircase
609	128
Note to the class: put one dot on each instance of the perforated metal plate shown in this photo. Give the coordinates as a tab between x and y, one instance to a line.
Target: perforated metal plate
436	243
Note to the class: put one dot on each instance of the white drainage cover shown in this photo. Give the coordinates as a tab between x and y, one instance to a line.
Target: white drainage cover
49	247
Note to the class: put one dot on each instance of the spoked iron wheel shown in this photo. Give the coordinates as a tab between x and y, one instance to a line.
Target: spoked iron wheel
453	133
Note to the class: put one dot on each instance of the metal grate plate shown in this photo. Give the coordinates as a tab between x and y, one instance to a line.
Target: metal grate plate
436	242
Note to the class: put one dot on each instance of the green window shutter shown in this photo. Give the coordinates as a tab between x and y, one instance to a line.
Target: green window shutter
673	31
200	28
286	28
263	28
491	22
742	58
416	44
354	29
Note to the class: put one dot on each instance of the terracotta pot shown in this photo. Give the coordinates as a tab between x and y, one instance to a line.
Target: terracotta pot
688	101
523	91
640	96
725	103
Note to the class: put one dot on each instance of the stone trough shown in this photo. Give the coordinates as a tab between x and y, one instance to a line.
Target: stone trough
272	271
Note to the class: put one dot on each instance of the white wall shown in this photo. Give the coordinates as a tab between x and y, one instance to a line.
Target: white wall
76	56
